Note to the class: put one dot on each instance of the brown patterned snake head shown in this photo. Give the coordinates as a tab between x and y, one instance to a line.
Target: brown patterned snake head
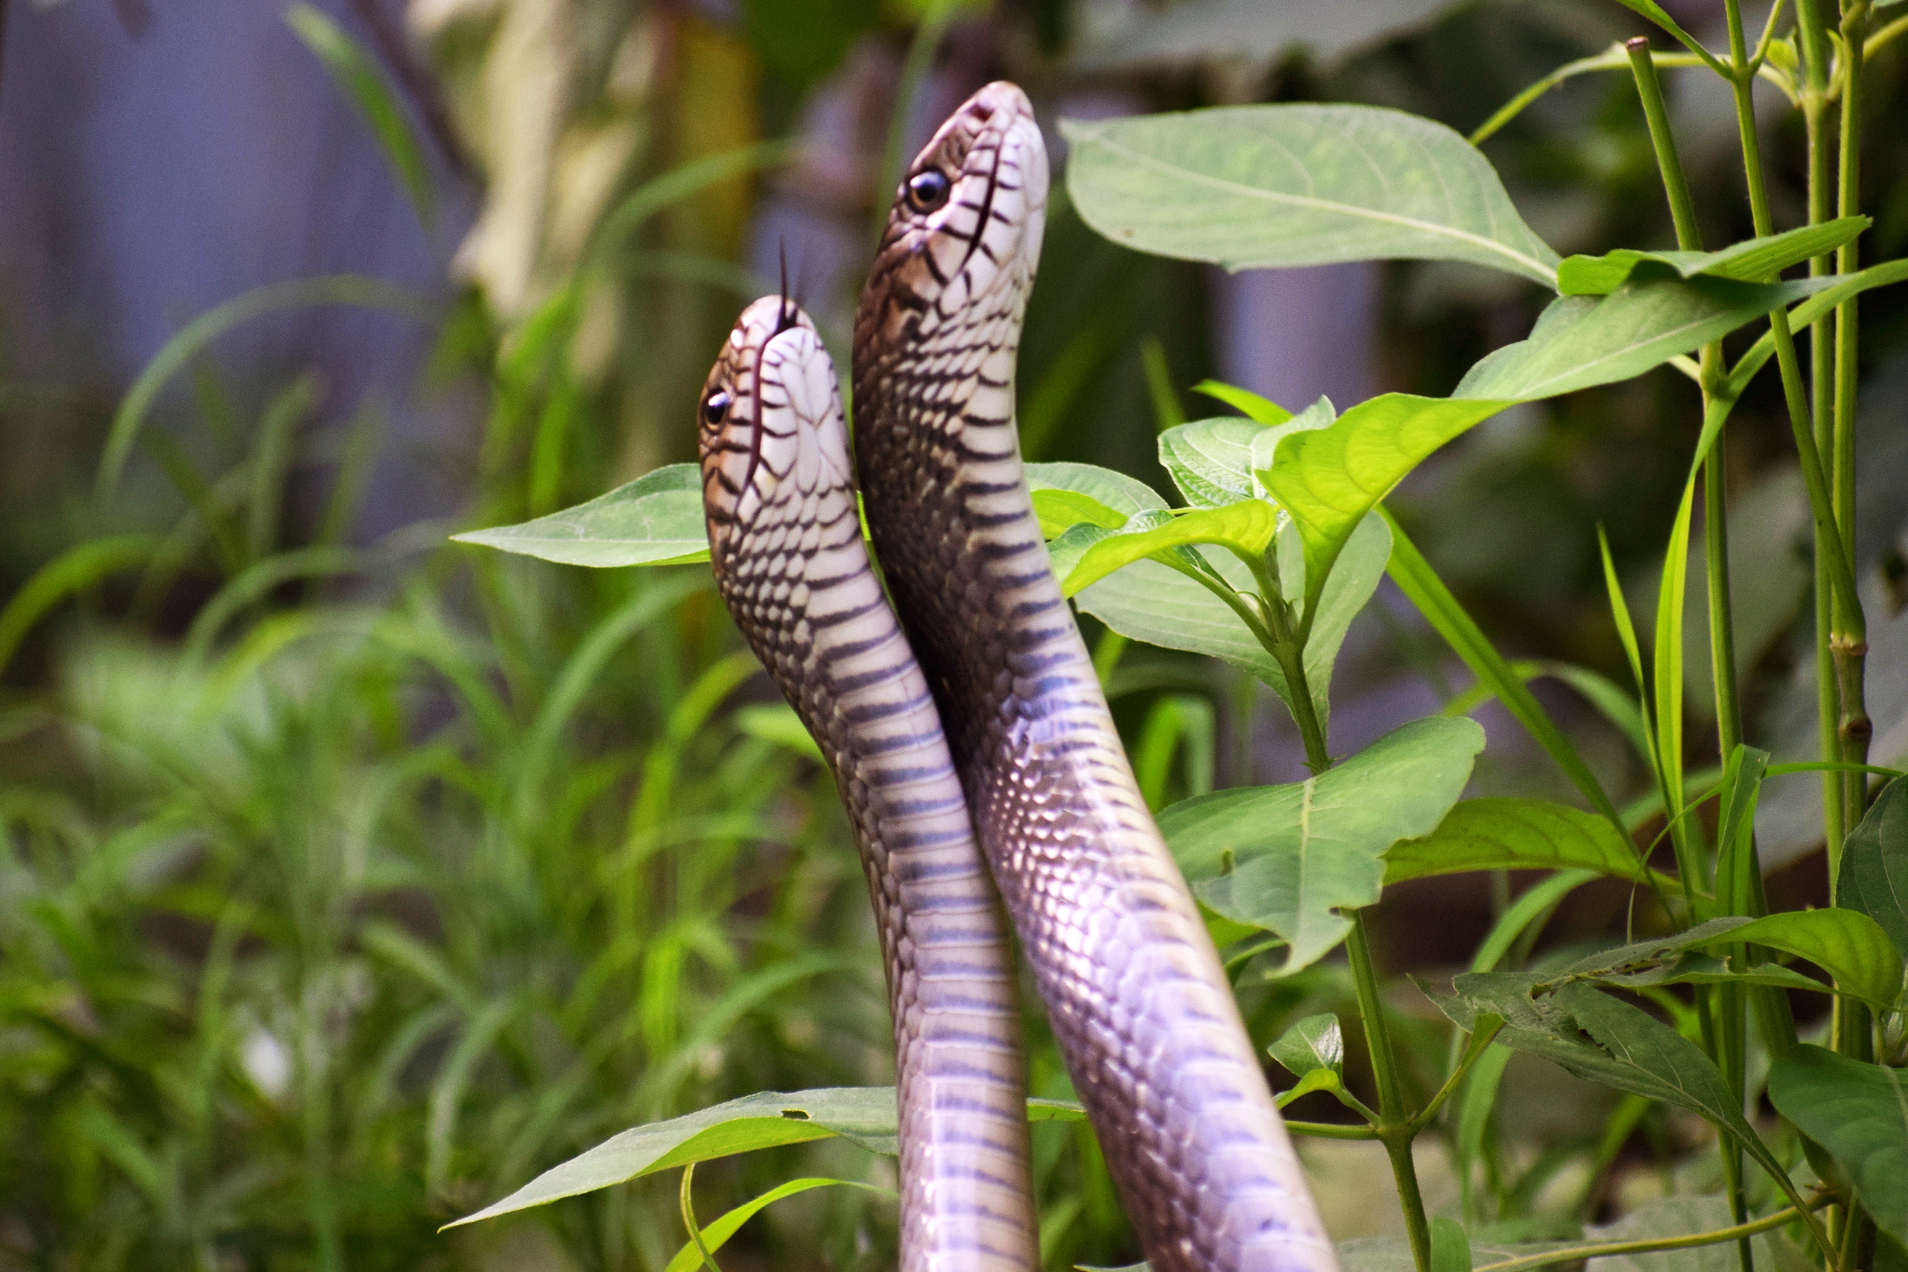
1142	1011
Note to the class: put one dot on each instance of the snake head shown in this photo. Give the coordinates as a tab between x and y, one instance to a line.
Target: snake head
967	217
770	428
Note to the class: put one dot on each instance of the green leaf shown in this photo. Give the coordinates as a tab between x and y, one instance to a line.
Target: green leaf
1627	1048
1315	1042
1502	833
1807	313
716	1234
1245	527
1677	1217
1846	944
1758	260
358	75
1329	478
1450	1248
1874	874
863	1115
1689	968
805	39
1245	30
1282	186
1060	510
1211	460
654	520
1288	858
74	570
1859	1113
1262	409
1581	341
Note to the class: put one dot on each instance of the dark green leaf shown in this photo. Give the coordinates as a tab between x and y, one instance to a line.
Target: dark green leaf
1289	858
654	520
1874	874
1282	186
1313	1043
1859	1113
1450	1248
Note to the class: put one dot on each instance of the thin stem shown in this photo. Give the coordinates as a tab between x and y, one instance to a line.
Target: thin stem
1650	90
1333	1130
1479	1041
1394	1125
1570	1254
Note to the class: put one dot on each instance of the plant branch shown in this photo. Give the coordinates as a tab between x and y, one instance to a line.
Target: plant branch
1594	1250
1474	1049
1395	1127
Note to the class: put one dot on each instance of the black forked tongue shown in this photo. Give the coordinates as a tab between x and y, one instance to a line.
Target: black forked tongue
785	312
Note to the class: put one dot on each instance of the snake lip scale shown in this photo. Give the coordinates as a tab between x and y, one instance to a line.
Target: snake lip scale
981	677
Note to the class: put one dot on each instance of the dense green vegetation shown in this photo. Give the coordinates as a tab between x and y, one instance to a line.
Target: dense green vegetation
350	887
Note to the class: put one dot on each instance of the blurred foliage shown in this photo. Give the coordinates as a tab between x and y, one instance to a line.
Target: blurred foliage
346	886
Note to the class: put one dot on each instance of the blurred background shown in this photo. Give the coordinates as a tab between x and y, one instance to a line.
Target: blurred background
351	877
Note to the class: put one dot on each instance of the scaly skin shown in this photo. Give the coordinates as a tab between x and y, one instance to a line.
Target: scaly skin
791	566
1144	1015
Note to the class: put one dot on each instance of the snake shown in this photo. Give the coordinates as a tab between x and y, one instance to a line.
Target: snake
981	666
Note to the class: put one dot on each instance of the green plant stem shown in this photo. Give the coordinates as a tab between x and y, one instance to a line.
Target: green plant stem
1650	90
1571	1254
1395	1127
1333	1130
1473	1049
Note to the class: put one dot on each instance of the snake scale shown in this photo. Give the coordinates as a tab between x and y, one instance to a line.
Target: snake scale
1029	785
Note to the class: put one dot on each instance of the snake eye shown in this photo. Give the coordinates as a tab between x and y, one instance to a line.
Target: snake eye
928	189
716	406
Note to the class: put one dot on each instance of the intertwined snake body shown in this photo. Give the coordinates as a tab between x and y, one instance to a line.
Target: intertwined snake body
1144	1015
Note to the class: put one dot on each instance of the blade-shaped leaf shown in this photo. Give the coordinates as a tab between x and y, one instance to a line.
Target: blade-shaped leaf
1758	260
1859	1113
1874	874
1250	404
1315	1042
1502	833
358	75
865	1115
1581	341
716	1234
1282	186
1287	858
654	520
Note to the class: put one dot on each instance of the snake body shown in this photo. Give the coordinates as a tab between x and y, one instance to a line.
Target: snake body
790	563
1142	1010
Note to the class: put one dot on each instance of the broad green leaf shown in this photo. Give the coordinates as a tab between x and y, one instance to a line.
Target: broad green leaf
864	1115
1283	186
716	1234
1758	260
654	520
1211	460
1581	341
1846	944
1502	833
1874	874
1329	478
1058	510
1246	526
1248	30
1114	491
1629	1050
1859	1113
1288	858
1315	1042
1262	409
1450	1248
357	74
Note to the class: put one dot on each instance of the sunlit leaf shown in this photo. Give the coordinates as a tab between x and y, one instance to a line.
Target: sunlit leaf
1211	460
1253	406
1315	1042
1246	526
1282	186
655	520
1289	858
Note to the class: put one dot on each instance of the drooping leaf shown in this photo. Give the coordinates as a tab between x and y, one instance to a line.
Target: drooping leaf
1288	858
1758	260
1282	186
1315	1042
1244	526
716	1234
1874	874
1211	460
1581	341
654	520
1859	1113
864	1115
358	75
1502	833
